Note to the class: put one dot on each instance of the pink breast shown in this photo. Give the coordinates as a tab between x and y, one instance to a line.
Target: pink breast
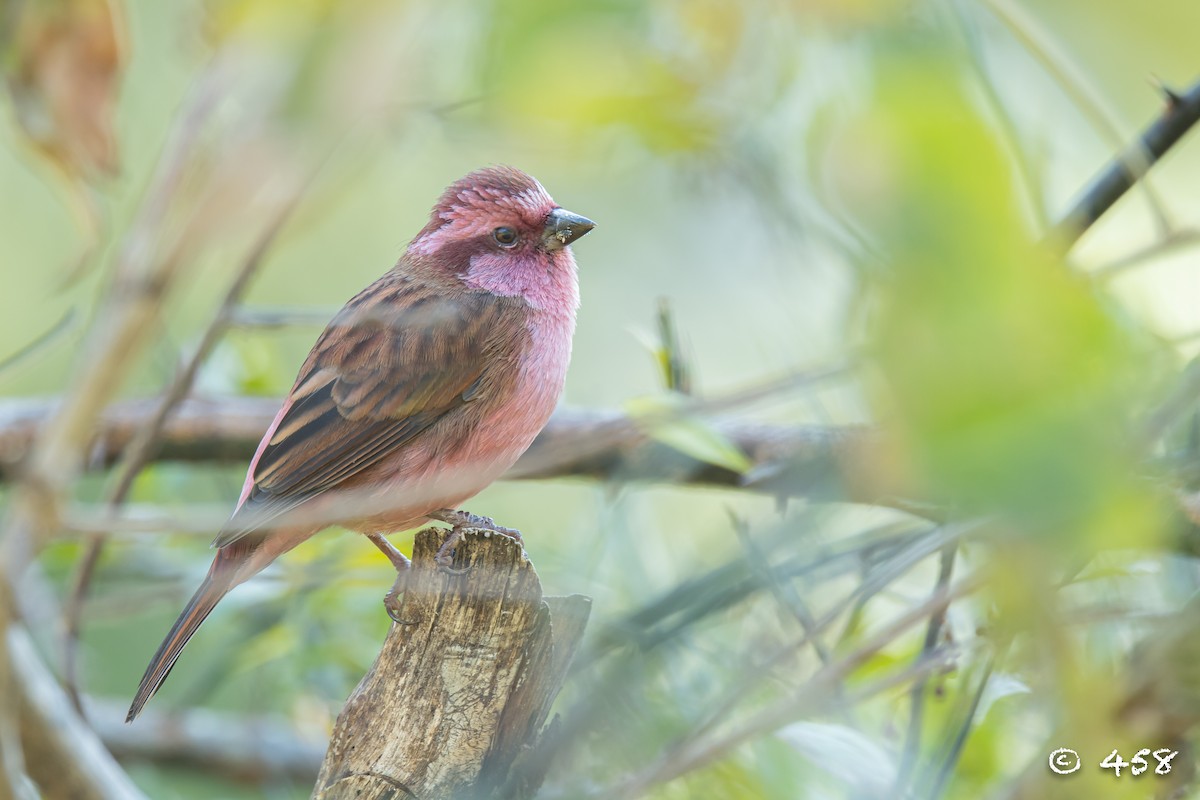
421	479
511	427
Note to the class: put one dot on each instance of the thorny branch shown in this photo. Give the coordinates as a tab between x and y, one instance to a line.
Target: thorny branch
1181	113
1134	160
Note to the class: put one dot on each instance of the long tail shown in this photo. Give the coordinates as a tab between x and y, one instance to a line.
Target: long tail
216	585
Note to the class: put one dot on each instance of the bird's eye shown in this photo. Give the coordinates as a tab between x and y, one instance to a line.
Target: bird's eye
505	236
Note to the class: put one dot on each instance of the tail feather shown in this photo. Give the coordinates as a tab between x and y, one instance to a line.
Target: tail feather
215	586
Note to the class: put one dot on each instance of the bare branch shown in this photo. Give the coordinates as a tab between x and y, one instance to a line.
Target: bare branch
251	749
63	755
14	782
815	461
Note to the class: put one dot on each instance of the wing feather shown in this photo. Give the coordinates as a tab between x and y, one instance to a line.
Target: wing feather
397	360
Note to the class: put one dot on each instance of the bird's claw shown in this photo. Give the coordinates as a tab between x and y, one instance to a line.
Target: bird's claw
392	601
464	519
392	605
445	553
511	533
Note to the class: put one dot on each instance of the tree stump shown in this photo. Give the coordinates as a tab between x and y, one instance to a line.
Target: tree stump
463	684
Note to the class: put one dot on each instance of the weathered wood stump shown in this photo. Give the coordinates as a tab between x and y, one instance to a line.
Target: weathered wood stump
462	686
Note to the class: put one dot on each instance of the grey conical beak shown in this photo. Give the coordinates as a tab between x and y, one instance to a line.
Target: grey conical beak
563	228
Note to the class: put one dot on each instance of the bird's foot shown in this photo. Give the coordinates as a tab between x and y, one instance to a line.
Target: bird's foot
464	519
392	601
398	559
445	553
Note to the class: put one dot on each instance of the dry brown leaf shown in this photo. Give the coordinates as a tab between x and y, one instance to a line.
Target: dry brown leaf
66	58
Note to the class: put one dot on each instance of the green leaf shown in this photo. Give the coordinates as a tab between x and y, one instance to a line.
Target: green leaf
659	419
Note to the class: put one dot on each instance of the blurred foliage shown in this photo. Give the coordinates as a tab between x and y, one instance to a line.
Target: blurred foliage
805	182
1012	380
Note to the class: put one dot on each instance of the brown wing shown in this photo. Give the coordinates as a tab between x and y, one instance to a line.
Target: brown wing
399	357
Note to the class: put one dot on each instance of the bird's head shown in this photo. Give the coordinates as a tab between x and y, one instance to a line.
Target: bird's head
498	229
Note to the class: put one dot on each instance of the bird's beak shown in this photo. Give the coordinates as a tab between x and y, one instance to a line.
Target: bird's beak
563	228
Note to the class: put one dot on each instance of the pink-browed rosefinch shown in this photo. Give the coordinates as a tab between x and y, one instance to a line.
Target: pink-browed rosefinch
423	390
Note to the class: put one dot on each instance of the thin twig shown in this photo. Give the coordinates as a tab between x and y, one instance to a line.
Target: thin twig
730	584
1034	191
65	325
812	695
581	718
653	627
15	783
933	635
140	448
865	591
93	519
783	593
1181	399
1176	240
1133	161
964	729
280	317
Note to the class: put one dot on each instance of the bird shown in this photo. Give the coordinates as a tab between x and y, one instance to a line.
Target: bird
422	390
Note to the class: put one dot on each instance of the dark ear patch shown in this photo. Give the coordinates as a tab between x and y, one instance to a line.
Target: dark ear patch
455	254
